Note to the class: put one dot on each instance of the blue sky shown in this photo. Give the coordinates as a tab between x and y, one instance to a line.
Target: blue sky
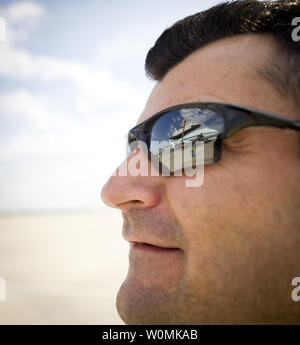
69	71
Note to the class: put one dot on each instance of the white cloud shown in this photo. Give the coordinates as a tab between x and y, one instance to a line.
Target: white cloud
97	84
21	17
50	133
24	12
15	63
21	104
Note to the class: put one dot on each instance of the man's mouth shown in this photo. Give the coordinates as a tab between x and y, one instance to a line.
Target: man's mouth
147	247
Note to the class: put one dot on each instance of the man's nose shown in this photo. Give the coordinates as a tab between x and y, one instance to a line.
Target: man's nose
129	191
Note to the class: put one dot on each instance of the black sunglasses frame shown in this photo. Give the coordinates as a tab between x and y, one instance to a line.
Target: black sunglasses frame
235	118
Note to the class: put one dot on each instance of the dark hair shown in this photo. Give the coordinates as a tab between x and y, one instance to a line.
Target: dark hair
226	20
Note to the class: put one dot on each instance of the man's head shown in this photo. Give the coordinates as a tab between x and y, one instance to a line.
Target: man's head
235	240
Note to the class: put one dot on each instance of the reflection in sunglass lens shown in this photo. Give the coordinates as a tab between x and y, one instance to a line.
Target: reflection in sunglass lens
182	128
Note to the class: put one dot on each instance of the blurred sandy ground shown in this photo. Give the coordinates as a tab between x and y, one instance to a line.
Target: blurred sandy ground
62	268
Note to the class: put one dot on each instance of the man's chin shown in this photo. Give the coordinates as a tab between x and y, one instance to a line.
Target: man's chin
137	304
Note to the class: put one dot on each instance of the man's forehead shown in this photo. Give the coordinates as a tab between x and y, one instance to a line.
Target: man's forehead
160	100
223	71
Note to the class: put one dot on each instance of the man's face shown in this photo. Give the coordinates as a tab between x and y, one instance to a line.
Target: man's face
236	237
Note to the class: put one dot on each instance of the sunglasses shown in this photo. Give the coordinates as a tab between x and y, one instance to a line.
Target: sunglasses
186	126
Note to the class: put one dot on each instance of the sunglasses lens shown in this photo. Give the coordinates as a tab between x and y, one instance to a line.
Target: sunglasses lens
184	128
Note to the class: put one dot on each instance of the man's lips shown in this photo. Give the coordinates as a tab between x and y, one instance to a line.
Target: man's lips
145	241
147	247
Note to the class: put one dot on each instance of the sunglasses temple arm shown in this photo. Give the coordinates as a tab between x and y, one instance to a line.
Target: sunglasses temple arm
296	125
292	124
